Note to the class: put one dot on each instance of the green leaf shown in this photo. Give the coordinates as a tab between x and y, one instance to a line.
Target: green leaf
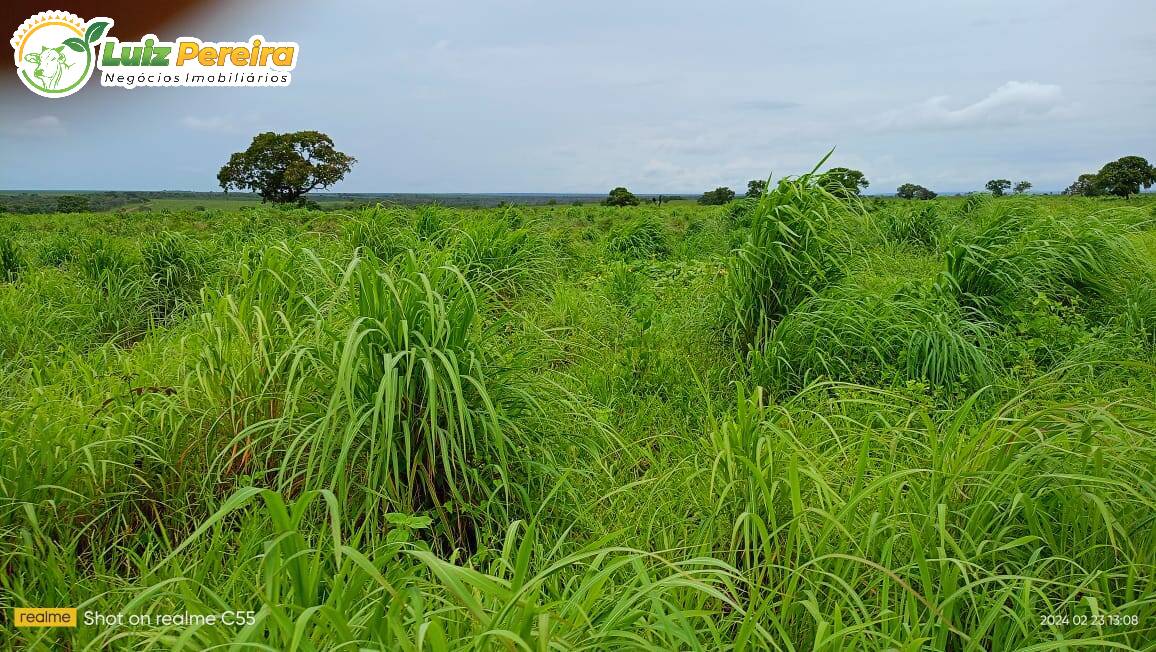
76	44
95	31
408	521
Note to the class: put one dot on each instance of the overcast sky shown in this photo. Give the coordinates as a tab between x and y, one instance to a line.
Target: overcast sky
531	96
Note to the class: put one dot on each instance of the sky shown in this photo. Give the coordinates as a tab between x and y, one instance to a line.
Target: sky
673	97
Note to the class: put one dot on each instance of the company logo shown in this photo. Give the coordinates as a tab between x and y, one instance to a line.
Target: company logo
44	617
57	52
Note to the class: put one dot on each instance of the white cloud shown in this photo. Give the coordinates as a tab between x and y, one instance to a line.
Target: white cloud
1013	103
38	127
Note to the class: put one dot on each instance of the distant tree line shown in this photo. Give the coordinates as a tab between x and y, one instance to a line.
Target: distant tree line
31	202
1123	177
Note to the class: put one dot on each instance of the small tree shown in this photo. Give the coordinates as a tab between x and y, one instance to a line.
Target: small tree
843	182
1125	176
756	187
620	197
1087	185
717	197
1022	187
913	191
282	168
998	187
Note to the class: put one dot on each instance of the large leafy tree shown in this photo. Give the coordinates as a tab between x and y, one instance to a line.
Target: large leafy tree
998	187
282	168
756	187
1125	176
1022	187
843	182
913	191
717	197
620	197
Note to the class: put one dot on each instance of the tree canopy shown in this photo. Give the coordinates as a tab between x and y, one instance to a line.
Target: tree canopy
1125	176
282	168
998	187
756	187
843	182
913	191
1022	187
717	197
620	197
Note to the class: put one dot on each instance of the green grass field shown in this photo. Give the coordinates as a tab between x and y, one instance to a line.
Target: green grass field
199	204
791	424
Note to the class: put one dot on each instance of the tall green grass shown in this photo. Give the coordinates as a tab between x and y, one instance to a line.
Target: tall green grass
12	261
1020	253
643	237
523	428
795	248
855	334
502	257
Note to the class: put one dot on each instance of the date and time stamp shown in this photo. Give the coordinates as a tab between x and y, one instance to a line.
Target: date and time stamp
1090	620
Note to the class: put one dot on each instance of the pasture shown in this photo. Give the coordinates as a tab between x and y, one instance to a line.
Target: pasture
797	423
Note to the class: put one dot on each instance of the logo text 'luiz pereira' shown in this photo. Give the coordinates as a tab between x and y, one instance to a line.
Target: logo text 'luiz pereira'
56	53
